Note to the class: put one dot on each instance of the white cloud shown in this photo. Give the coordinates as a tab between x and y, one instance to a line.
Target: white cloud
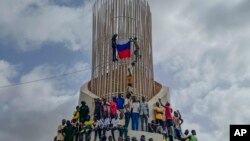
32	23
41	104
201	53
203	56
7	72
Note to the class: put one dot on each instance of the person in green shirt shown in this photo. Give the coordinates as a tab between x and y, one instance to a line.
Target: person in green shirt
68	130
193	137
84	111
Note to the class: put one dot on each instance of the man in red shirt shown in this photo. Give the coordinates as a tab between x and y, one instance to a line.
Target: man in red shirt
169	117
113	108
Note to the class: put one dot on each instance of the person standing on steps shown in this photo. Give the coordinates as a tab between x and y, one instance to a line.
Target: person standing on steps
158	114
105	108
169	118
120	103
177	125
75	117
144	113
98	107
84	111
135	114
193	137
68	131
113	108
114	47
60	134
127	108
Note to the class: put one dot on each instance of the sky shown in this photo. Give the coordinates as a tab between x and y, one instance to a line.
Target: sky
200	50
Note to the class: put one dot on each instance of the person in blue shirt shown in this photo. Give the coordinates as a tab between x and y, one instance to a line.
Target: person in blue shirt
120	103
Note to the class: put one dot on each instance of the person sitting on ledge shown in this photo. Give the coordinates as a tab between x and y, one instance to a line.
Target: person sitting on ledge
114	126
121	126
106	124
152	126
87	128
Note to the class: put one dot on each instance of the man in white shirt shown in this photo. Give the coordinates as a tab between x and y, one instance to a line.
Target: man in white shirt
60	134
106	125
114	126
144	113
97	127
135	114
127	107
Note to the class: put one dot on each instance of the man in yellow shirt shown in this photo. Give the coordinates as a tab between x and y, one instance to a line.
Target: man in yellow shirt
158	114
87	127
76	115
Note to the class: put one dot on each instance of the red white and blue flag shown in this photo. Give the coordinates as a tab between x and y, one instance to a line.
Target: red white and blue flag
123	48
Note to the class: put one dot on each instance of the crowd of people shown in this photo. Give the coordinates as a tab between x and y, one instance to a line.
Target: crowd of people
116	115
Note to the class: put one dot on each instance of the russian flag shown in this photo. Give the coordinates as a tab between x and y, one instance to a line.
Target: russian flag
123	48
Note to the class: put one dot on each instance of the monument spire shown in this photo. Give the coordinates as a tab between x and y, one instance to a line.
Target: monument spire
128	19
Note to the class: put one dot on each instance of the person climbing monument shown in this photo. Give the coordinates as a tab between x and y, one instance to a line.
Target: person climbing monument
130	68
114	47
136	50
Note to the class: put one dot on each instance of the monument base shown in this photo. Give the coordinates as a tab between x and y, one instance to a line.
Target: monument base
88	97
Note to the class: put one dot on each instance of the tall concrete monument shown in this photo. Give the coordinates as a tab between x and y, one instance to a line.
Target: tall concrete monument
128	19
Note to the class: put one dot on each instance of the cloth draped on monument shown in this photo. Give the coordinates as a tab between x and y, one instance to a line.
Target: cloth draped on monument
123	48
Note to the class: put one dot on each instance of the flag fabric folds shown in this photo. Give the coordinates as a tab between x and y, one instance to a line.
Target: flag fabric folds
123	48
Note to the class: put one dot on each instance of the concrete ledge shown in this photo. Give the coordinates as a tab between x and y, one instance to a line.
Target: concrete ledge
88	97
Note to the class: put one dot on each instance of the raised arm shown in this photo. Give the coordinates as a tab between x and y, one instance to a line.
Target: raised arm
180	117
161	103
